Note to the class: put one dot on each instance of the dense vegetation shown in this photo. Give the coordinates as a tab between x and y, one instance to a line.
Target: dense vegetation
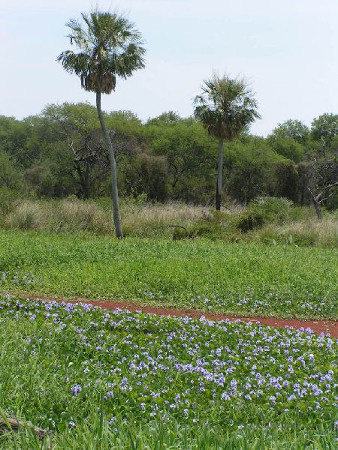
61	153
102	380
242	278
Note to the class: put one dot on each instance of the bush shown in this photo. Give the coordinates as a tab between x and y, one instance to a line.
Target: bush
250	221
197	230
272	209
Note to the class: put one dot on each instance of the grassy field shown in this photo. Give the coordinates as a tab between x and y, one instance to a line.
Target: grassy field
244	279
99	380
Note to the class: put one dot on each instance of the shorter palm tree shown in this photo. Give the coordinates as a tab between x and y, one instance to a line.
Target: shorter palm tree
226	107
108	47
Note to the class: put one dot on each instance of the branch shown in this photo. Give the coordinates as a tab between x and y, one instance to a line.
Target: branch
330	185
177	226
14	424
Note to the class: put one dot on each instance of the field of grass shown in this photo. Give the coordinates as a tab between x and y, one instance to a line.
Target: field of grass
242	278
102	380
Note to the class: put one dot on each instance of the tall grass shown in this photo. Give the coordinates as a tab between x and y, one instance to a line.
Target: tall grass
309	232
278	222
72	215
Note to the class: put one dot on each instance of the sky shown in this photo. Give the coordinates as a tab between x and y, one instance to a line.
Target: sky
285	49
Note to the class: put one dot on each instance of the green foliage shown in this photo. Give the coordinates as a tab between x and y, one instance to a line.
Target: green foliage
332	202
241	278
190	154
108	46
272	209
226	107
145	174
10	175
288	147
249	165
61	153
8	201
325	129
250	221
13	137
292	129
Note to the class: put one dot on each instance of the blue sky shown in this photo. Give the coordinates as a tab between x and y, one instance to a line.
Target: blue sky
287	49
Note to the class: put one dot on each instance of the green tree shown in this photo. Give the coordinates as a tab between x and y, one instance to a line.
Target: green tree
250	164
79	129
10	175
226	107
293	129
190	154
108	47
13	137
287	147
325	129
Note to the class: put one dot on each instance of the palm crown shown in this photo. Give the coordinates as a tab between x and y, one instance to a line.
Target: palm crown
108	45
225	107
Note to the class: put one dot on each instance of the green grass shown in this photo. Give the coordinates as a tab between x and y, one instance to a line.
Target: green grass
242	278
119	380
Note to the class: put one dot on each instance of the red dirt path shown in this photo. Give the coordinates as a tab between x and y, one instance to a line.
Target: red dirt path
318	326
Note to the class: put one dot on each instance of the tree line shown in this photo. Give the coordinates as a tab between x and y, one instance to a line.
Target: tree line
61	152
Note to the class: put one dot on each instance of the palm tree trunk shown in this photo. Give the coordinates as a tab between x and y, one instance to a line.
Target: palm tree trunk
113	169
219	175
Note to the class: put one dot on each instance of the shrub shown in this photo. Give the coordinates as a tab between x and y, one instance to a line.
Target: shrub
250	221
272	209
197	230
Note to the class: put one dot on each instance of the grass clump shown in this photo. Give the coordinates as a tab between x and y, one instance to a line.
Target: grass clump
59	216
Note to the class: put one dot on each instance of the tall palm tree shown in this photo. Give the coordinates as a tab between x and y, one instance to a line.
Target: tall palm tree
226	107
108	46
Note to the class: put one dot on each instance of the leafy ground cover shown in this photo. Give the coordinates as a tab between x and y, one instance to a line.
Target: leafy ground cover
98	379
242	279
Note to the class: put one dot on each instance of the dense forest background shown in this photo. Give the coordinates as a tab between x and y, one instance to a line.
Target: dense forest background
60	153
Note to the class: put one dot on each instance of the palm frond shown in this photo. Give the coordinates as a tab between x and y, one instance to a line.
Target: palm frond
225	107
108	46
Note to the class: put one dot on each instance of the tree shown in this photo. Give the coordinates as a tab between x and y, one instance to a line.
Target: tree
325	129
226	107
287	147
323	182
79	128
323	169
108	47
190	154
293	129
10	175
250	164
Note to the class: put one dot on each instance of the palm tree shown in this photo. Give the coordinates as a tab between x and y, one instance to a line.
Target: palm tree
226	107
108	47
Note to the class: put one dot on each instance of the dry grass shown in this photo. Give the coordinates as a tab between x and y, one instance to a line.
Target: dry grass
155	219
75	215
309	232
64	215
159	220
